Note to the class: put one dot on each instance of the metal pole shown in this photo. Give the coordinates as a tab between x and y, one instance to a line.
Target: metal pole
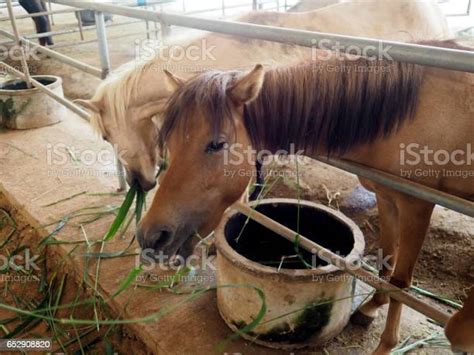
254	4
157	32
58	56
403	52
223	8
165	31
74	30
79	24
51	12
106	68
103	44
37	14
24	63
147	26
64	44
406	186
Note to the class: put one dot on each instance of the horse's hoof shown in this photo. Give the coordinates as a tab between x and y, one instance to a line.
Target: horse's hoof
382	350
360	318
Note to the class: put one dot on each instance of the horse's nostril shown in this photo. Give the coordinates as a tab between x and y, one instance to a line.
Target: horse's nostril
161	238
155	237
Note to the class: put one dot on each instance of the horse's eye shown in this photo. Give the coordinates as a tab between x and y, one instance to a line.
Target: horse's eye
215	147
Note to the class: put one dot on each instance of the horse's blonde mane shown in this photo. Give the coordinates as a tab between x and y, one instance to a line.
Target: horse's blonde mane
117	92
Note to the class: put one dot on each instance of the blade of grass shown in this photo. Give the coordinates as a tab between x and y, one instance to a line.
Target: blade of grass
122	214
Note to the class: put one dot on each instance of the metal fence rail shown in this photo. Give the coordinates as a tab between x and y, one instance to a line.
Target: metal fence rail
404	52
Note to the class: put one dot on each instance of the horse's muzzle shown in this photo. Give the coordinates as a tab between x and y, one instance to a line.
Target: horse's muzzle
144	184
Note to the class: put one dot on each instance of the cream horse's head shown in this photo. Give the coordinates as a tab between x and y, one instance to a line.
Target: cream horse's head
130	125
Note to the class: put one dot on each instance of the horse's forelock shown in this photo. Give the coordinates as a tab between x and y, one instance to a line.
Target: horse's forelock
206	92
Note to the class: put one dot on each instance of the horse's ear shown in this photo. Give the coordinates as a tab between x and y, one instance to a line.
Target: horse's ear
248	87
94	106
174	82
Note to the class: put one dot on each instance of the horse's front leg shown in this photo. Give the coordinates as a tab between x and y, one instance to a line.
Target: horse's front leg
460	327
389	232
414	219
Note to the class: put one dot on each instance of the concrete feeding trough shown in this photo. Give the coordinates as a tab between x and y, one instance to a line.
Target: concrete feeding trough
305	306
23	108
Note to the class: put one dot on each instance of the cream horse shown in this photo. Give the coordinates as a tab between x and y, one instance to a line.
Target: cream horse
124	105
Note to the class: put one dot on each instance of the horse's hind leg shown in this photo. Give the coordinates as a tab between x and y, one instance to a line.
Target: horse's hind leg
414	219
460	327
388	215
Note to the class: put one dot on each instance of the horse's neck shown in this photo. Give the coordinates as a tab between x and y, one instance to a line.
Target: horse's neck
151	84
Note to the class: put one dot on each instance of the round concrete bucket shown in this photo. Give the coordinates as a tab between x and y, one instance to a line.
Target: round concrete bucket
308	302
23	108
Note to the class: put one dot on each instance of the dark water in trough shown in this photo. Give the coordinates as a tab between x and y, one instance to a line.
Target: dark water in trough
261	245
21	84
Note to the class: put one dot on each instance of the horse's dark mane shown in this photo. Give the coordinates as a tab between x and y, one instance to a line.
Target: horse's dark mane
333	105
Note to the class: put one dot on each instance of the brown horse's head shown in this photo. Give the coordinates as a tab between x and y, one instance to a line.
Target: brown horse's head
210	159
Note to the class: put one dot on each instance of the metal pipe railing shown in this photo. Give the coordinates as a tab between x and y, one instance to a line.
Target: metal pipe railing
404	52
64	44
403	185
56	55
106	68
38	14
69	31
16	36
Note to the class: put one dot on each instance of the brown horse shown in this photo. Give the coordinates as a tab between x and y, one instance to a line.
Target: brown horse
379	113
123	106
